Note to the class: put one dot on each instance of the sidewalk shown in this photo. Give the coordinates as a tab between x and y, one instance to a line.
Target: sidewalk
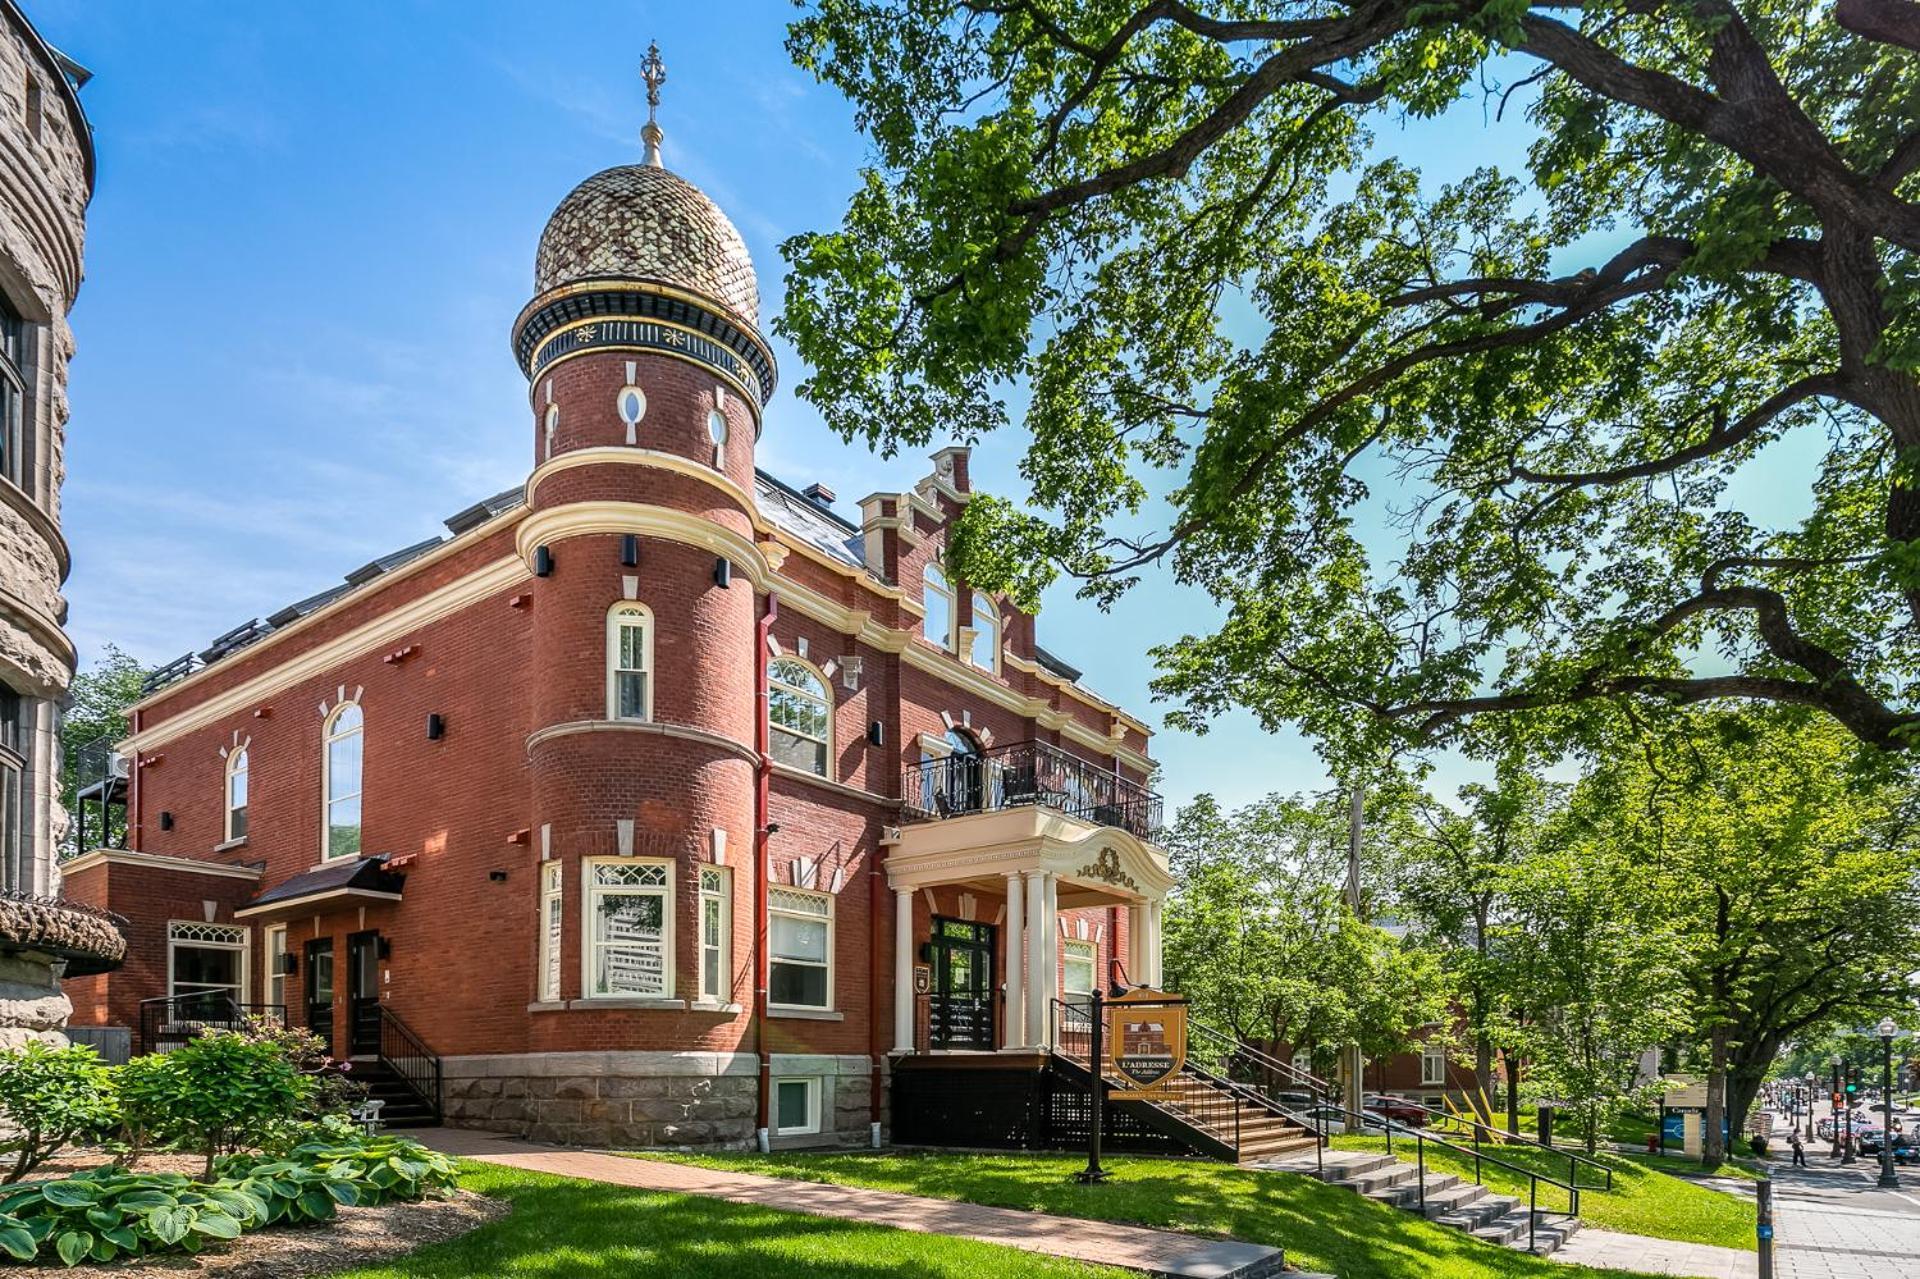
1613	1250
1158	1252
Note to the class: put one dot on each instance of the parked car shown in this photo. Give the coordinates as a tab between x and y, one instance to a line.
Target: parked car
1293	1100
1332	1119
1402	1110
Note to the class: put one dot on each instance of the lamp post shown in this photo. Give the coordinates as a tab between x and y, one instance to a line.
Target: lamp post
1887	1030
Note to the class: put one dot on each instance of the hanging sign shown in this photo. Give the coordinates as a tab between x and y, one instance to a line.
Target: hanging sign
1146	1039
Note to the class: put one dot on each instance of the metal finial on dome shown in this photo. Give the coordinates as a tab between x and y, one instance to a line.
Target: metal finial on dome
654	72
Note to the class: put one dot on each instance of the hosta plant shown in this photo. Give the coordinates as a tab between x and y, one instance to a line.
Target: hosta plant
106	1213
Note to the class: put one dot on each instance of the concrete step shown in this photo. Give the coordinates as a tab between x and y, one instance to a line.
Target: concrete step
1448	1199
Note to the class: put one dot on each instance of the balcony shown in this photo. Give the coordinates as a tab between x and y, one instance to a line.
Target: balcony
1029	774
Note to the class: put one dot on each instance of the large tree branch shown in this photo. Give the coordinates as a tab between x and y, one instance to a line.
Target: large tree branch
1767	130
1723	436
1888	21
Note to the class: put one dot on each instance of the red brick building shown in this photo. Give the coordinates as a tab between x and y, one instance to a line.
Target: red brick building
658	803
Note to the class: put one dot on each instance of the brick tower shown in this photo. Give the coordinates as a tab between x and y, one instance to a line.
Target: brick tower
647	376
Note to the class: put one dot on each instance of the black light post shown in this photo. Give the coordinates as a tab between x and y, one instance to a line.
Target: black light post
1839	1096
1888	1179
1811	1081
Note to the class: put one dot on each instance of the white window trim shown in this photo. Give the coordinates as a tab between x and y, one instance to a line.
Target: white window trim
237	937
832	941
1072	949
991	615
267	977
589	899
1428	1080
240	762
327	797
552	895
723	895
615	617
933	580
826	690
814	1090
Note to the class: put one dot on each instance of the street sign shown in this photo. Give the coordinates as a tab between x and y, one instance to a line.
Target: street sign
1147	1036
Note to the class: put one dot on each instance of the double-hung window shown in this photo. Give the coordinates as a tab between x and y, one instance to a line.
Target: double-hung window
1077	965
237	794
936	597
716	936
551	922
629	662
341	764
15	873
799	716
800	969
1433	1066
986	633
629	929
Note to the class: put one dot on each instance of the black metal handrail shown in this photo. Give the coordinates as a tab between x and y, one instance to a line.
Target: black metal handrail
174	1019
1501	1137
1024	774
403	1052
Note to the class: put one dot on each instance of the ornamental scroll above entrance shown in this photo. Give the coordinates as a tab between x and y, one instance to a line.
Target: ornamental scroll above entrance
1105	867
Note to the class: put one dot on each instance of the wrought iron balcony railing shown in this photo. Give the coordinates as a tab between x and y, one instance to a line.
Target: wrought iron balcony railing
1029	773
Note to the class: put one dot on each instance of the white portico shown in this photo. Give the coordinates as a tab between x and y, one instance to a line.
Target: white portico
1031	863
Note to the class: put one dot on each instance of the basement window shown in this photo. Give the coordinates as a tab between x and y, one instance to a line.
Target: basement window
796	1107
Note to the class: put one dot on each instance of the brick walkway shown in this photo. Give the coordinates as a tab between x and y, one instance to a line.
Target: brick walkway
1158	1252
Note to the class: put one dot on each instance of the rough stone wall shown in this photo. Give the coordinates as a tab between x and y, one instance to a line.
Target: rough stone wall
637	1099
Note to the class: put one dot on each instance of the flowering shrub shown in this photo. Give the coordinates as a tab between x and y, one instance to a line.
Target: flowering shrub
220	1092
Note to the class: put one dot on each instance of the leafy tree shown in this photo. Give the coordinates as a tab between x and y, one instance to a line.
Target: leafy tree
51	1098
100	696
1598	972
1260	936
1791	872
1173	222
1456	884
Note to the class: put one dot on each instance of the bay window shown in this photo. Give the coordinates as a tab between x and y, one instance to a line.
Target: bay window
628	929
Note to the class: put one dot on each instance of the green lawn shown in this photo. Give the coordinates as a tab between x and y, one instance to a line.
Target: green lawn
1320	1227
566	1229
1643	1201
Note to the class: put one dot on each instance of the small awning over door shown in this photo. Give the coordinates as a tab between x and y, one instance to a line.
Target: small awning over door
349	881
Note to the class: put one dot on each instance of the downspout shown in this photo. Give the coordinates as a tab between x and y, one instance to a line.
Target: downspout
876	1046
762	862
134	834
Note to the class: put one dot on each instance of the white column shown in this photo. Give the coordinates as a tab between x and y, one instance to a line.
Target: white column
1047	943
1153	944
1039	1011
903	970
1137	943
1016	1014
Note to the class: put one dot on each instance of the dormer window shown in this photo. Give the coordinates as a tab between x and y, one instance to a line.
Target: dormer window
936	597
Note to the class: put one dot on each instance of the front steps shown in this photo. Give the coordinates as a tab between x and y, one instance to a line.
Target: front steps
1450	1201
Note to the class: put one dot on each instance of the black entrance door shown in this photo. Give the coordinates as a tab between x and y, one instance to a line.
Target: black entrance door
961	1009
320	991
363	992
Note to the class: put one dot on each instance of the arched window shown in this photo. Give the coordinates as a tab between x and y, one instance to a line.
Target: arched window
937	598
237	794
799	715
986	633
629	661
962	790
342	781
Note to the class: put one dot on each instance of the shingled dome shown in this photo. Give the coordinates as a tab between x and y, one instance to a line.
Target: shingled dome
638	221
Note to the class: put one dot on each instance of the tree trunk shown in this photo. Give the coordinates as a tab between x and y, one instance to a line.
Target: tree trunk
1513	1094
1713	1144
1482	1050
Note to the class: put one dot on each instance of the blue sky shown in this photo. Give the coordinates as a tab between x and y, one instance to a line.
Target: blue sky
312	228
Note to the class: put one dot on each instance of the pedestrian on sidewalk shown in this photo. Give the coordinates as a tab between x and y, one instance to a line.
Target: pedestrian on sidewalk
1799	1149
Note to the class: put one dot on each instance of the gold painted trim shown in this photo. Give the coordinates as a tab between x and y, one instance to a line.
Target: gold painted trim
752	394
366	638
639	284
624	455
680	732
579	519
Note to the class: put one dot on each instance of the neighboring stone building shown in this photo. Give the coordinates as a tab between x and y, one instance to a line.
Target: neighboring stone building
659	803
46	179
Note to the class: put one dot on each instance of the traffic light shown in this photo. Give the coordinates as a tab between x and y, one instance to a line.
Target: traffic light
1853	1080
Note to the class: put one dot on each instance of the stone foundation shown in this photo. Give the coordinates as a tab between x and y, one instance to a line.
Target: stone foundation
32	1005
634	1100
